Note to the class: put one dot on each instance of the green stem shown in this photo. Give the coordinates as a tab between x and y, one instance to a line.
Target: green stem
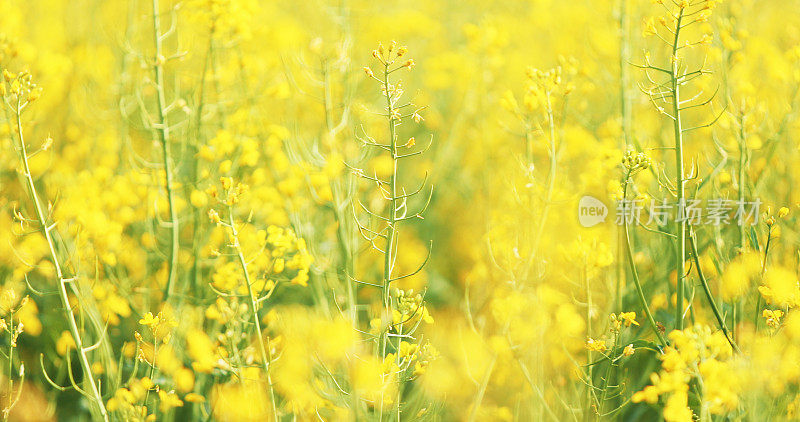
551	176
195	169
7	410
473	414
346	264
47	231
152	374
709	296
742	160
590	369
635	274
603	396
680	182
763	271
162	129
625	112
254	311
392	219
392	228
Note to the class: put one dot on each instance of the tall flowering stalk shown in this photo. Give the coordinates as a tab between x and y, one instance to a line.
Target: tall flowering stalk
230	197
14	327
665	92
161	127
400	308
19	92
633	163
265	258
546	93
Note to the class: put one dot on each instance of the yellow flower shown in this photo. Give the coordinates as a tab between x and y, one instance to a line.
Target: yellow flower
649	395
148	319
629	350
629	318
198	199
194	398
773	317
649	27
780	287
168	400
677	408
65	343
596	345
184	380
213	215
407	349
201	350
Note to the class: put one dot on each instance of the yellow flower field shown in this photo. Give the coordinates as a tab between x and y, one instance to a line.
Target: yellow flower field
516	210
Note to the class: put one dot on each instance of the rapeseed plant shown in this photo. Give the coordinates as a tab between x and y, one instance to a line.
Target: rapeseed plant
402	311
19	93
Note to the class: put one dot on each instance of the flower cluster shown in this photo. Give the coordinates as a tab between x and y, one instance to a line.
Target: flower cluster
695	353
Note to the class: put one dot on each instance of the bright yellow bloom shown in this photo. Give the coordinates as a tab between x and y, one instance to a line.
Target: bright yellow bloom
628	350
168	400
149	320
629	318
773	317
596	345
194	398
65	343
